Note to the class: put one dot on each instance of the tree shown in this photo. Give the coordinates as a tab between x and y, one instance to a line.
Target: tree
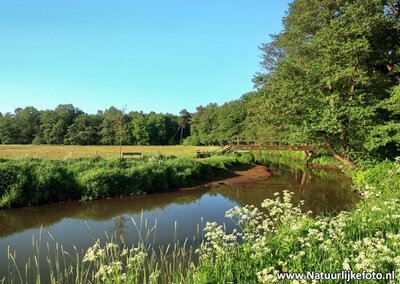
111	126
156	129
183	121
171	126
203	125
27	123
8	129
230	119
84	131
327	73
139	131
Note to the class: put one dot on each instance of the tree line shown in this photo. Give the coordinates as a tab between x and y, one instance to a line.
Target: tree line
209	125
69	125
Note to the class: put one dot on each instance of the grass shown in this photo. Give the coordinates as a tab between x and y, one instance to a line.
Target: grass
72	151
109	262
32	181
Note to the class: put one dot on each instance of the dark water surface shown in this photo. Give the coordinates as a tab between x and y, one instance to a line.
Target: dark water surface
80	223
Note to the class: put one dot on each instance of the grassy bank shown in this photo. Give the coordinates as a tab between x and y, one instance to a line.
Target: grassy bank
30	181
288	240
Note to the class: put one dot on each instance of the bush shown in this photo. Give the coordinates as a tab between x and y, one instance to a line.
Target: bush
183	172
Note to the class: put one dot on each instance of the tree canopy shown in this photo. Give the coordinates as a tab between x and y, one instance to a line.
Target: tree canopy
331	75
69	125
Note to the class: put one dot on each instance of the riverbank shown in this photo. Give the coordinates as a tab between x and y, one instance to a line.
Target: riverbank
365	238
29	181
244	173
185	208
26	182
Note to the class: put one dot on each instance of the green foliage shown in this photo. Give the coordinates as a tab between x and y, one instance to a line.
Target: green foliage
52	182
29	181
14	179
291	161
38	141
325	159
281	238
102	183
377	177
215	124
112	127
69	125
228	162
330	72
139	131
383	140
83	131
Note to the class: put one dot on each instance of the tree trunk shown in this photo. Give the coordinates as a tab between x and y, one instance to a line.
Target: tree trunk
337	155
181	134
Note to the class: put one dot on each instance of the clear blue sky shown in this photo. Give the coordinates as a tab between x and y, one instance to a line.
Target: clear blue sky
153	55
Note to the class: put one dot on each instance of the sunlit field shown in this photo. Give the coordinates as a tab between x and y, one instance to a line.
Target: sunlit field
73	151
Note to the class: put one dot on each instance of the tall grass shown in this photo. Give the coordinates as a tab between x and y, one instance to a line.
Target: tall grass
110	262
31	181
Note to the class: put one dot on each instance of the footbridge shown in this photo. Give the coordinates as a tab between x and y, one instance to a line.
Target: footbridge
271	145
262	144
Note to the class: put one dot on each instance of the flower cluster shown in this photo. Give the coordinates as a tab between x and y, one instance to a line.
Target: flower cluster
286	239
110	261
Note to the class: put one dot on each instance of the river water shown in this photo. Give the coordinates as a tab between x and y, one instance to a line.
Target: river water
178	215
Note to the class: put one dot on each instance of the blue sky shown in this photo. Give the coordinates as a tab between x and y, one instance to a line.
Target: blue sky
153	55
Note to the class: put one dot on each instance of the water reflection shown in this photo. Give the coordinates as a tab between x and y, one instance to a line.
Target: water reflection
322	193
20	219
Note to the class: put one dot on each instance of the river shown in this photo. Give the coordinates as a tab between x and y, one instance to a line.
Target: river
178	215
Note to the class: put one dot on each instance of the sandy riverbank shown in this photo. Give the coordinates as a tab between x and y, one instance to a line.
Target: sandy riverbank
246	173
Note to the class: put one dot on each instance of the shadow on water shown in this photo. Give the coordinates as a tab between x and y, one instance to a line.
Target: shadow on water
79	224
